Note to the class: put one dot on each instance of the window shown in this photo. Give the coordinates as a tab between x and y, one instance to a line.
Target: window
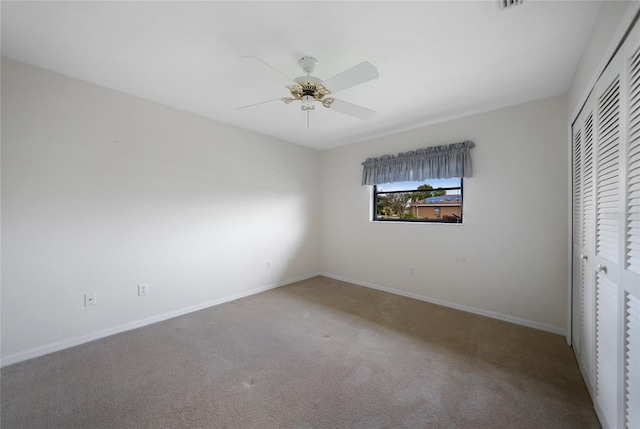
423	185
436	201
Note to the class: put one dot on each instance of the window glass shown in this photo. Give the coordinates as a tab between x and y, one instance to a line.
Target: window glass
438	200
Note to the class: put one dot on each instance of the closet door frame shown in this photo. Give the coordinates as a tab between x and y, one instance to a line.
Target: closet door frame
616	40
612	370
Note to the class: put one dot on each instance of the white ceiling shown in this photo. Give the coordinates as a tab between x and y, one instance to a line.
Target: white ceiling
436	59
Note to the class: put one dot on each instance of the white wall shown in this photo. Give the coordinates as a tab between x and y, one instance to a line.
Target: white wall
102	191
508	259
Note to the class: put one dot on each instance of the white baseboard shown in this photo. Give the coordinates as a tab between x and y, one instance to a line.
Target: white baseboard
491	314
72	342
76	341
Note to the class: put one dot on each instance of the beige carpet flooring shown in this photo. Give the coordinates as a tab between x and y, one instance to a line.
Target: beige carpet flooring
315	354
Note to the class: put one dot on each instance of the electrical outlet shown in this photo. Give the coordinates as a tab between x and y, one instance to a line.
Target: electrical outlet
268	265
143	289
412	271
89	299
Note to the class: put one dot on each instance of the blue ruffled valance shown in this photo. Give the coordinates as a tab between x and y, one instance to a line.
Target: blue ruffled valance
436	162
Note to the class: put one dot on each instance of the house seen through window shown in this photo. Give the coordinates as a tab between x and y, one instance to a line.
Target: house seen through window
436	200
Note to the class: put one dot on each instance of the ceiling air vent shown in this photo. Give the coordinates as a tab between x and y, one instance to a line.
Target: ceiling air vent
506	4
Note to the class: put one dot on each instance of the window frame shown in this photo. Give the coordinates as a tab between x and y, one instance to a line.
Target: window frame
374	208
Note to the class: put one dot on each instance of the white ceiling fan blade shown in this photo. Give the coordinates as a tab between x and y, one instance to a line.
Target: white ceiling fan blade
256	104
356	75
352	110
280	77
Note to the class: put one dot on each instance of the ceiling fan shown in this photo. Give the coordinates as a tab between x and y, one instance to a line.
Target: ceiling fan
309	89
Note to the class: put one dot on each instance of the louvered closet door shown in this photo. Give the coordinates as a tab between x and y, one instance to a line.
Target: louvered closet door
608	227
630	275
583	298
577	331
588	273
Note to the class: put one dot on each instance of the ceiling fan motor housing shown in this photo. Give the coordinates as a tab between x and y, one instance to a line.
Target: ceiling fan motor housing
308	89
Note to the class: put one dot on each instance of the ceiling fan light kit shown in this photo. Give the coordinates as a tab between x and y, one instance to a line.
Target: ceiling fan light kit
309	89
307	102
